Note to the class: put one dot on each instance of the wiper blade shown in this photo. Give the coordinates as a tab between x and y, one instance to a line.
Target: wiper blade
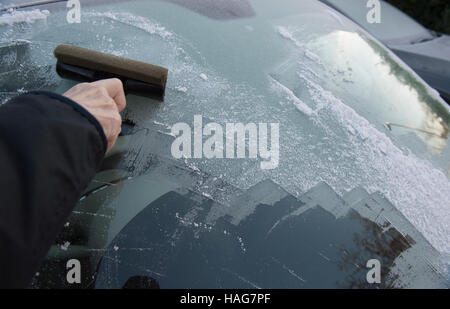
390	125
433	34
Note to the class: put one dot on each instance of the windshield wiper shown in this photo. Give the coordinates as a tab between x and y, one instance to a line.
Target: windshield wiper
433	34
390	125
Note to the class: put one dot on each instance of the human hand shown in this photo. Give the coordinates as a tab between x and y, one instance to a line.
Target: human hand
104	99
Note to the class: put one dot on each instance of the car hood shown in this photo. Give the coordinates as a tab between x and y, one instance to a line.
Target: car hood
430	59
438	48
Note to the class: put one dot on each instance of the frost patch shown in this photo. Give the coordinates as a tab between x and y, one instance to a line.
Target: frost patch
312	56
181	89
136	21
415	187
286	34
65	246
29	17
299	104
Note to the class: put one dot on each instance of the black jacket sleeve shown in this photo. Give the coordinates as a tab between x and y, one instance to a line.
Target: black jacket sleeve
50	149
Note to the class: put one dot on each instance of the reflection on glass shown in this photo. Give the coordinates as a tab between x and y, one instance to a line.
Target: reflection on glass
403	99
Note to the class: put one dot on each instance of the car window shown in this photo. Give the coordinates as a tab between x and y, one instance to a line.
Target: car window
395	26
330	86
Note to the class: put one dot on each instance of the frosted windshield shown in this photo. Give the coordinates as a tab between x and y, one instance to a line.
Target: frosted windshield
330	86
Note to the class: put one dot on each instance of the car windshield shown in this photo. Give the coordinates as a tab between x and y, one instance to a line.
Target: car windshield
395	26
362	170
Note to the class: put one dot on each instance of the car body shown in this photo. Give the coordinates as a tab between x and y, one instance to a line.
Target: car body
425	51
347	190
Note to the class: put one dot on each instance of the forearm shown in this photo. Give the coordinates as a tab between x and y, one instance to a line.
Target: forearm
50	148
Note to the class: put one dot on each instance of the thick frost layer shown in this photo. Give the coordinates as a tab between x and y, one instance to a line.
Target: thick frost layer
354	153
299	104
415	187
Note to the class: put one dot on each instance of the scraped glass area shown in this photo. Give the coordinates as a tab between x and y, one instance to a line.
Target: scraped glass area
263	238
22	68
332	89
